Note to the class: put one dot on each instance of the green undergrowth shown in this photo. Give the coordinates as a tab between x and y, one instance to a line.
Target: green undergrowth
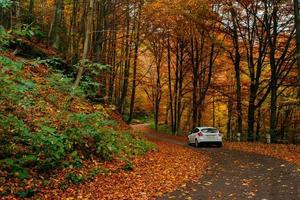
38	133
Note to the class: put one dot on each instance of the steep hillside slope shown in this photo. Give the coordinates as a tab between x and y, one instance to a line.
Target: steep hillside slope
46	125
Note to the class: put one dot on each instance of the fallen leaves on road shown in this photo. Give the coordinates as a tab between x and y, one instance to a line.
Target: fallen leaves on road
290	153
246	182
154	134
154	174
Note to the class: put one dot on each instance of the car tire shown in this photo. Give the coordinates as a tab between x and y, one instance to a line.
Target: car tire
220	144
197	143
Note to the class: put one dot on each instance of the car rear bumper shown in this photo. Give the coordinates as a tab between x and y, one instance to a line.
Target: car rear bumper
209	140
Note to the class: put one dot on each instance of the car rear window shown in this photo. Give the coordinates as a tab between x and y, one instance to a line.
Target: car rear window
209	130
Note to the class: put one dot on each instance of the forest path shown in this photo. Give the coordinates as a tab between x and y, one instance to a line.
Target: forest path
236	175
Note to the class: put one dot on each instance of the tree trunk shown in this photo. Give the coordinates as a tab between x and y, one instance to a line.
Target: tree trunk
229	118
30	12
176	87
88	32
251	116
195	64
258	125
127	62
297	24
239	100
157	92
56	26
170	85
136	52
273	65
237	59
71	36
180	81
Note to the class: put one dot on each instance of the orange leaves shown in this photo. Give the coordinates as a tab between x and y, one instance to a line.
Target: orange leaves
290	153
153	175
246	182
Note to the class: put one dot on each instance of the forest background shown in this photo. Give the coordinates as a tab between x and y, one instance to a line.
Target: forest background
228	64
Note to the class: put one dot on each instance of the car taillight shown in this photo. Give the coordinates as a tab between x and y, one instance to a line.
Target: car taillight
200	133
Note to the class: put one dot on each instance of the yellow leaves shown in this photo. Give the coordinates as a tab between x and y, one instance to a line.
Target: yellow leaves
290	153
98	107
252	193
159	194
246	182
208	183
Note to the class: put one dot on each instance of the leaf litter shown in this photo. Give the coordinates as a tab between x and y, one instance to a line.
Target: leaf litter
158	172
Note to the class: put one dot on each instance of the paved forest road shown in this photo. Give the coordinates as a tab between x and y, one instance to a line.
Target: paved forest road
238	175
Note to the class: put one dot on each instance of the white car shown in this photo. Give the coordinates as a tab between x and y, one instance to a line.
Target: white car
205	135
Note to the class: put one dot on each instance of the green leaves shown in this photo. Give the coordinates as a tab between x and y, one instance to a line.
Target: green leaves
74	178
35	137
92	70
50	62
13	84
26	193
8	161
28	31
128	166
14	168
5	4
92	67
4	38
11	125
10	65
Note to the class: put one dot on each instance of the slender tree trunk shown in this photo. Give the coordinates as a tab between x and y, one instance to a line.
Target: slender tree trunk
273	106
258	125
136	52
239	100
251	116
72	34
157	92
114	54
17	7
176	86
229	118
88	32
127	62
30	12
180	82
273	84
170	85
237	60
297	24
195	81
213	114
84	56
31	6
56	25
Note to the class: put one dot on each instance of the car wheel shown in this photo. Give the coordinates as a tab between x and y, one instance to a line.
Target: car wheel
197	143
220	144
